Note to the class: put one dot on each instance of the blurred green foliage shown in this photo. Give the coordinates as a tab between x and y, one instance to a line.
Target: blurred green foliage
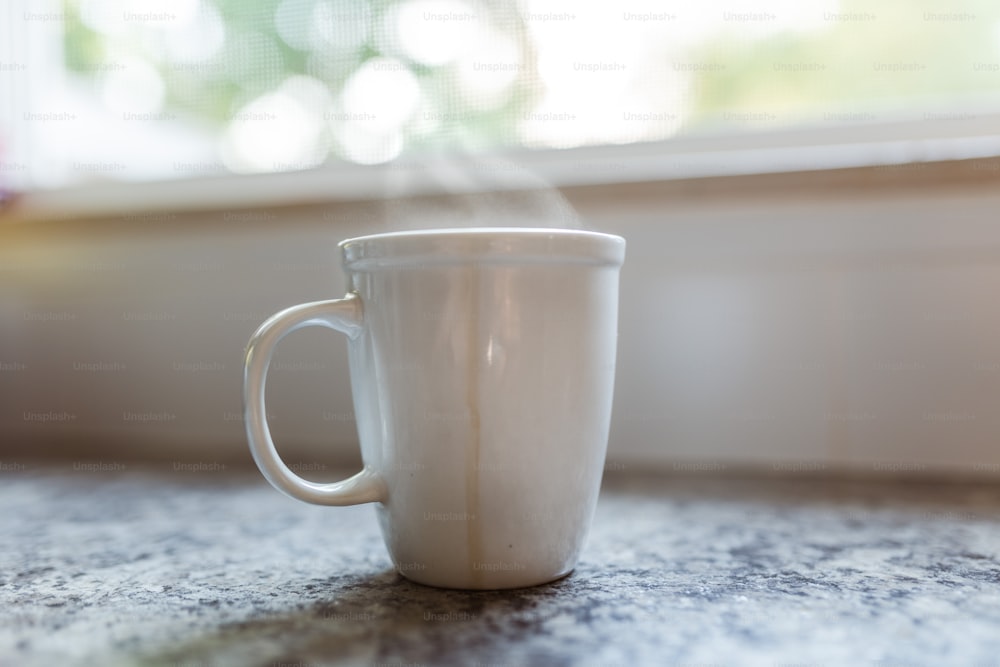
254	60
848	67
787	77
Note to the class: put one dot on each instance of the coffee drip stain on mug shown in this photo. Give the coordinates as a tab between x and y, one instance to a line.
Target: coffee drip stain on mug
474	536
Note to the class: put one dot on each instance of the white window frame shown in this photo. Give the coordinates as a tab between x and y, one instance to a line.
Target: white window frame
923	137
914	141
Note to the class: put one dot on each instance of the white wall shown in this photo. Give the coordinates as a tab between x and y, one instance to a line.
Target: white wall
861	332
788	332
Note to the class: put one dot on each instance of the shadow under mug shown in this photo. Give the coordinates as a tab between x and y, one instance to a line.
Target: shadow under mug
482	368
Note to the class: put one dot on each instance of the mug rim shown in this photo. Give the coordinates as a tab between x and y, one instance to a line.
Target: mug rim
494	245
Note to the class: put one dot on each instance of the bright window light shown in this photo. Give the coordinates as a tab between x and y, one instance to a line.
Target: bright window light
159	89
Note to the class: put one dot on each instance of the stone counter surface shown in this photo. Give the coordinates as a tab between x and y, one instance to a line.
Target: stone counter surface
216	568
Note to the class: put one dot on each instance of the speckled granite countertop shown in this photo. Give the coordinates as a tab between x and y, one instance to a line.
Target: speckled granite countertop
140	567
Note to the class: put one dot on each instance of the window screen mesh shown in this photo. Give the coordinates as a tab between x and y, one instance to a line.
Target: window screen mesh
175	88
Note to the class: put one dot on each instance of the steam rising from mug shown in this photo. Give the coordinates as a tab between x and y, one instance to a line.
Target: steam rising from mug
469	191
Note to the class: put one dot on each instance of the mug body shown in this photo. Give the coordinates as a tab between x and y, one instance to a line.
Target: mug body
482	379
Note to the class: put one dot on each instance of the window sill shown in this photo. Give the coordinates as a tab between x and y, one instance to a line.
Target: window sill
910	153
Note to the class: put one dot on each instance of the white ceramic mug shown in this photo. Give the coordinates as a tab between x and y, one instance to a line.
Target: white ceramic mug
482	365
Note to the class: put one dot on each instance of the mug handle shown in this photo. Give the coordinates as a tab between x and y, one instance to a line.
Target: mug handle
344	315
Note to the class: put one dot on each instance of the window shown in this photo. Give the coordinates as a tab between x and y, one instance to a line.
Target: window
164	89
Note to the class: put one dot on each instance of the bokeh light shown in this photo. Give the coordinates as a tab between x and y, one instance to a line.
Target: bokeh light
342	27
198	39
384	92
293	22
493	65
133	86
281	130
367	81
434	32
